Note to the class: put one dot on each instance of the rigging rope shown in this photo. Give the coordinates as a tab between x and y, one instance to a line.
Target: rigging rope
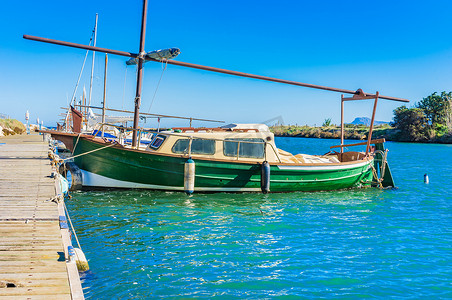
81	71
124	91
79	76
158	84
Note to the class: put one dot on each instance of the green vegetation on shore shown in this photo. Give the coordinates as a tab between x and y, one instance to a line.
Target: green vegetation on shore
352	132
11	127
429	121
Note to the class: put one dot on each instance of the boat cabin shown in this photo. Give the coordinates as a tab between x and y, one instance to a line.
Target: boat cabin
237	142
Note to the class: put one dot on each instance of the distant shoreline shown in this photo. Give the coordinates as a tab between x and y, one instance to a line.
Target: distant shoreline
351	132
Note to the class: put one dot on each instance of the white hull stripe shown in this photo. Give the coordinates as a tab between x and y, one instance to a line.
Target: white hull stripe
325	168
316	180
95	180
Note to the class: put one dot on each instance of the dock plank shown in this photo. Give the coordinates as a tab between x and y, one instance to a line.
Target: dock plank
32	254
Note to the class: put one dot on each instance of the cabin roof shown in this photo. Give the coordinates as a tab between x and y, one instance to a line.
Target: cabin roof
229	127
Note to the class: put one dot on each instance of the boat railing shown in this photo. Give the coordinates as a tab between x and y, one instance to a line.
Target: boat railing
122	130
377	141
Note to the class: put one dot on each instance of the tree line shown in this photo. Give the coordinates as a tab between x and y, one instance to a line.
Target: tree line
430	120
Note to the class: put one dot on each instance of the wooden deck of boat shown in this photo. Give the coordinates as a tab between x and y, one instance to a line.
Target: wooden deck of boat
32	254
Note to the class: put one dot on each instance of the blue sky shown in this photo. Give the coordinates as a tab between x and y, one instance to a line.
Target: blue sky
399	48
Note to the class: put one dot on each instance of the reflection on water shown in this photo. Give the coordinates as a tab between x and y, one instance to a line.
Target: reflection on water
346	244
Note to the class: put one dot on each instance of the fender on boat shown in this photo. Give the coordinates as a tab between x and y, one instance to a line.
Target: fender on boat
265	177
76	175
189	176
80	260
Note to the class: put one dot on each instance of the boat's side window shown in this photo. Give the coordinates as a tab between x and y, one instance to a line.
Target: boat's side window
250	148
198	146
157	142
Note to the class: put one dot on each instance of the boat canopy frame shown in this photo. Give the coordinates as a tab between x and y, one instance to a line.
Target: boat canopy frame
157	132
360	96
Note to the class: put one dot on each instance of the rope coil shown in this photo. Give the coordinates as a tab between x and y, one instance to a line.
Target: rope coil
378	179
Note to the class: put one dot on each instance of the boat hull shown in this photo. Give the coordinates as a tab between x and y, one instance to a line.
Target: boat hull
126	168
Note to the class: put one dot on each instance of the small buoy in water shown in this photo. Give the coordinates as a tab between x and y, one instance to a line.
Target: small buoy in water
189	176
426	181
265	177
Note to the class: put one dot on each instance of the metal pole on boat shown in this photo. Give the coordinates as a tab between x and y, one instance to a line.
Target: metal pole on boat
140	58
342	124
372	123
155	115
92	65
83	110
105	94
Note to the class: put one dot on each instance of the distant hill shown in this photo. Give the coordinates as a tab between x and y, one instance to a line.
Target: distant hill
366	121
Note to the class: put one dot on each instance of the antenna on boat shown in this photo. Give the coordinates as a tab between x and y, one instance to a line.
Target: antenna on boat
105	93
92	64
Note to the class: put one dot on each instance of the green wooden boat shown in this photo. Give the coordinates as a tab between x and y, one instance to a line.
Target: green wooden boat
225	160
234	159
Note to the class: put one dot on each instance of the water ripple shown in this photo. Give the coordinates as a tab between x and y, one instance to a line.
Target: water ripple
346	244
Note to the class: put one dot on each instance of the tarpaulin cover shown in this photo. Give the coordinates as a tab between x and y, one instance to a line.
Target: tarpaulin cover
161	54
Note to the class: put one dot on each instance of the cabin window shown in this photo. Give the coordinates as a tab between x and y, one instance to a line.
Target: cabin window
198	146
157	142
255	149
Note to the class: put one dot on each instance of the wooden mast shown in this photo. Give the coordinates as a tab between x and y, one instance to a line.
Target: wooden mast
105	94
92	64
140	57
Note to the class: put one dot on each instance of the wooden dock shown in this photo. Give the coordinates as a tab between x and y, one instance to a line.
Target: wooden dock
33	247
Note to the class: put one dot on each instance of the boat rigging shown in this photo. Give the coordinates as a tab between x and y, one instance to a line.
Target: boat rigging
231	158
142	56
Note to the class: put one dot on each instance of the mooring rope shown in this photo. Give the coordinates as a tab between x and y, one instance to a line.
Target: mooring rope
72	226
78	137
375	174
81	154
124	90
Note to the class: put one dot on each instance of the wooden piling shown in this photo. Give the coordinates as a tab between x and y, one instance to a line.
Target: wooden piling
33	261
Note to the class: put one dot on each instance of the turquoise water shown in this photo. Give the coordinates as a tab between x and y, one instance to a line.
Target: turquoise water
366	243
